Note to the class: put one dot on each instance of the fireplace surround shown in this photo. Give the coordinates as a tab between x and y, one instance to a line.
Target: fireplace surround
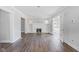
38	30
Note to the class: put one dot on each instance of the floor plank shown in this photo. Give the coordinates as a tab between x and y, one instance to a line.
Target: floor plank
36	43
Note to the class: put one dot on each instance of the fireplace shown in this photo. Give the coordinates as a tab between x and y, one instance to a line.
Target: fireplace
38	30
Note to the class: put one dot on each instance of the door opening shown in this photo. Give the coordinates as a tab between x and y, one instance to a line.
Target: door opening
22	25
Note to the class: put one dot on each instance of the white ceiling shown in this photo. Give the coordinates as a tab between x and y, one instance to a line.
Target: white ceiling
40	12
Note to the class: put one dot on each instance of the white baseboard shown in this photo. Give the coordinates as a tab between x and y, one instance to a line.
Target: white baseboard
10	41
16	40
5	41
73	46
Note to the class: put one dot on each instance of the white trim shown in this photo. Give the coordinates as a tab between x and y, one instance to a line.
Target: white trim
16	40
73	46
10	41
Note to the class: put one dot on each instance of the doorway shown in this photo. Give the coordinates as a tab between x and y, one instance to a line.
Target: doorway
22	25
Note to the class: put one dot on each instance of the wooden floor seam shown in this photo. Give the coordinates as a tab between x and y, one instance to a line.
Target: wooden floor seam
37	43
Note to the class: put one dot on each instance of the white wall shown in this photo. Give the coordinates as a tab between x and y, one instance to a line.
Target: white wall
37	25
17	27
31	24
27	26
31	28
71	27
4	26
10	25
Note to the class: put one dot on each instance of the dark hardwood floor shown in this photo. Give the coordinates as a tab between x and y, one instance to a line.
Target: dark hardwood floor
36	43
